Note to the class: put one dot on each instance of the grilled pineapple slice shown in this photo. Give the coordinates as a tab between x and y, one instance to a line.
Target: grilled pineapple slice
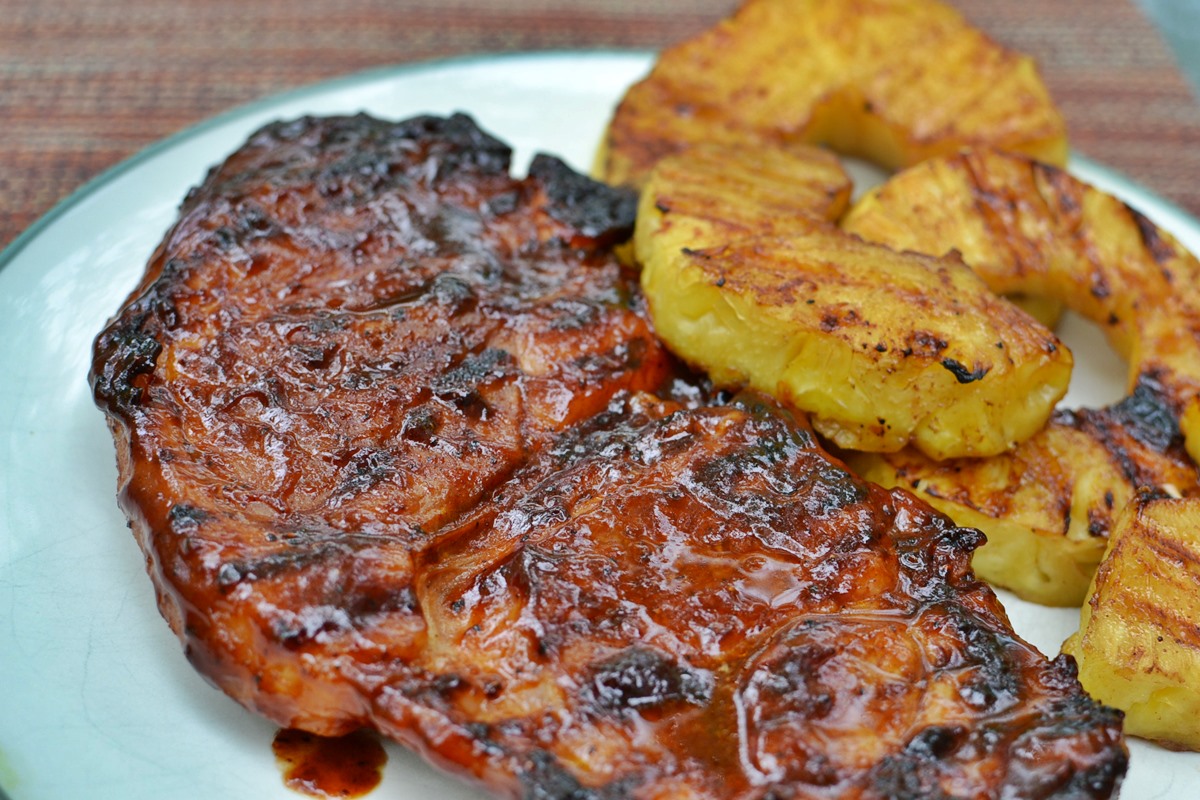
1029	227
881	348
1049	505
717	194
1025	226
1138	645
892	81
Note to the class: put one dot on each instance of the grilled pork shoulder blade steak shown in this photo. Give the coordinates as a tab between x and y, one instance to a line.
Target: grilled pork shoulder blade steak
403	451
700	602
355	331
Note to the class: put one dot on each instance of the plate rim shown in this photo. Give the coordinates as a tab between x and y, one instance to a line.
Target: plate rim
1113	181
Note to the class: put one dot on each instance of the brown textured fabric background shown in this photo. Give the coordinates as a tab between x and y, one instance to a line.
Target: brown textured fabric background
85	84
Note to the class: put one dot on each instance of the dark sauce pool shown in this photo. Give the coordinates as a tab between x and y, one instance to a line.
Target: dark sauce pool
319	766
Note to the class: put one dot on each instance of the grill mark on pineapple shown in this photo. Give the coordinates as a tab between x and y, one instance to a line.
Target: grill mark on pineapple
1065	189
1160	249
1183	631
1171	550
995	208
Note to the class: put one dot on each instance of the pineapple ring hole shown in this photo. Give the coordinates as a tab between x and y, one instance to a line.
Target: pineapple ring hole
1101	374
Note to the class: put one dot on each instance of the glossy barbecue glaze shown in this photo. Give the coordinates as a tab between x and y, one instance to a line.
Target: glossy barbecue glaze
403	452
355	332
699	602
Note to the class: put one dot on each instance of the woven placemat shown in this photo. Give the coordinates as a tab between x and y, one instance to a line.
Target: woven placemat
85	84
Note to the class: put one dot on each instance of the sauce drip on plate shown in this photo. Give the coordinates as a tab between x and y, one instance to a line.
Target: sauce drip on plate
319	766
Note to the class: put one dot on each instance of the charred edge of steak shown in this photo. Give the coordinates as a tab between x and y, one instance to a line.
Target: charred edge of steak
352	145
1079	772
1073	717
357	150
123	353
544	778
597	210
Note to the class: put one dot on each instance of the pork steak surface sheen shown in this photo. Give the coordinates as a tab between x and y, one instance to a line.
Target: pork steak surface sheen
402	451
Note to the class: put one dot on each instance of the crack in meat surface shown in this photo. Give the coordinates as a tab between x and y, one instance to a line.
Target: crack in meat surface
402	451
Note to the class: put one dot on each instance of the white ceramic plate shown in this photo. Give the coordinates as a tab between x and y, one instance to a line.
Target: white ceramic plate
96	699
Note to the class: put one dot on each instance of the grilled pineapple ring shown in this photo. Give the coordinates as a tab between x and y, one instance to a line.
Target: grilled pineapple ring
1048	506
892	81
1138	646
880	348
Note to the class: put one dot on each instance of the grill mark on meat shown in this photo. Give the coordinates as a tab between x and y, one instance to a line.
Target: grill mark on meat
462	384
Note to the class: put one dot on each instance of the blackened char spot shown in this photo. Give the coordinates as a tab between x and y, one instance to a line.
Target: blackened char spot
420	424
463	145
250	221
311	547
294	631
936	741
906	776
961	373
272	564
451	292
482	735
995	685
184	518
544	778
474	370
461	385
381	599
362	150
501	204
925	344
1147	416
639	678
1031	774
123	353
791	684
574	314
833	491
367	468
596	210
